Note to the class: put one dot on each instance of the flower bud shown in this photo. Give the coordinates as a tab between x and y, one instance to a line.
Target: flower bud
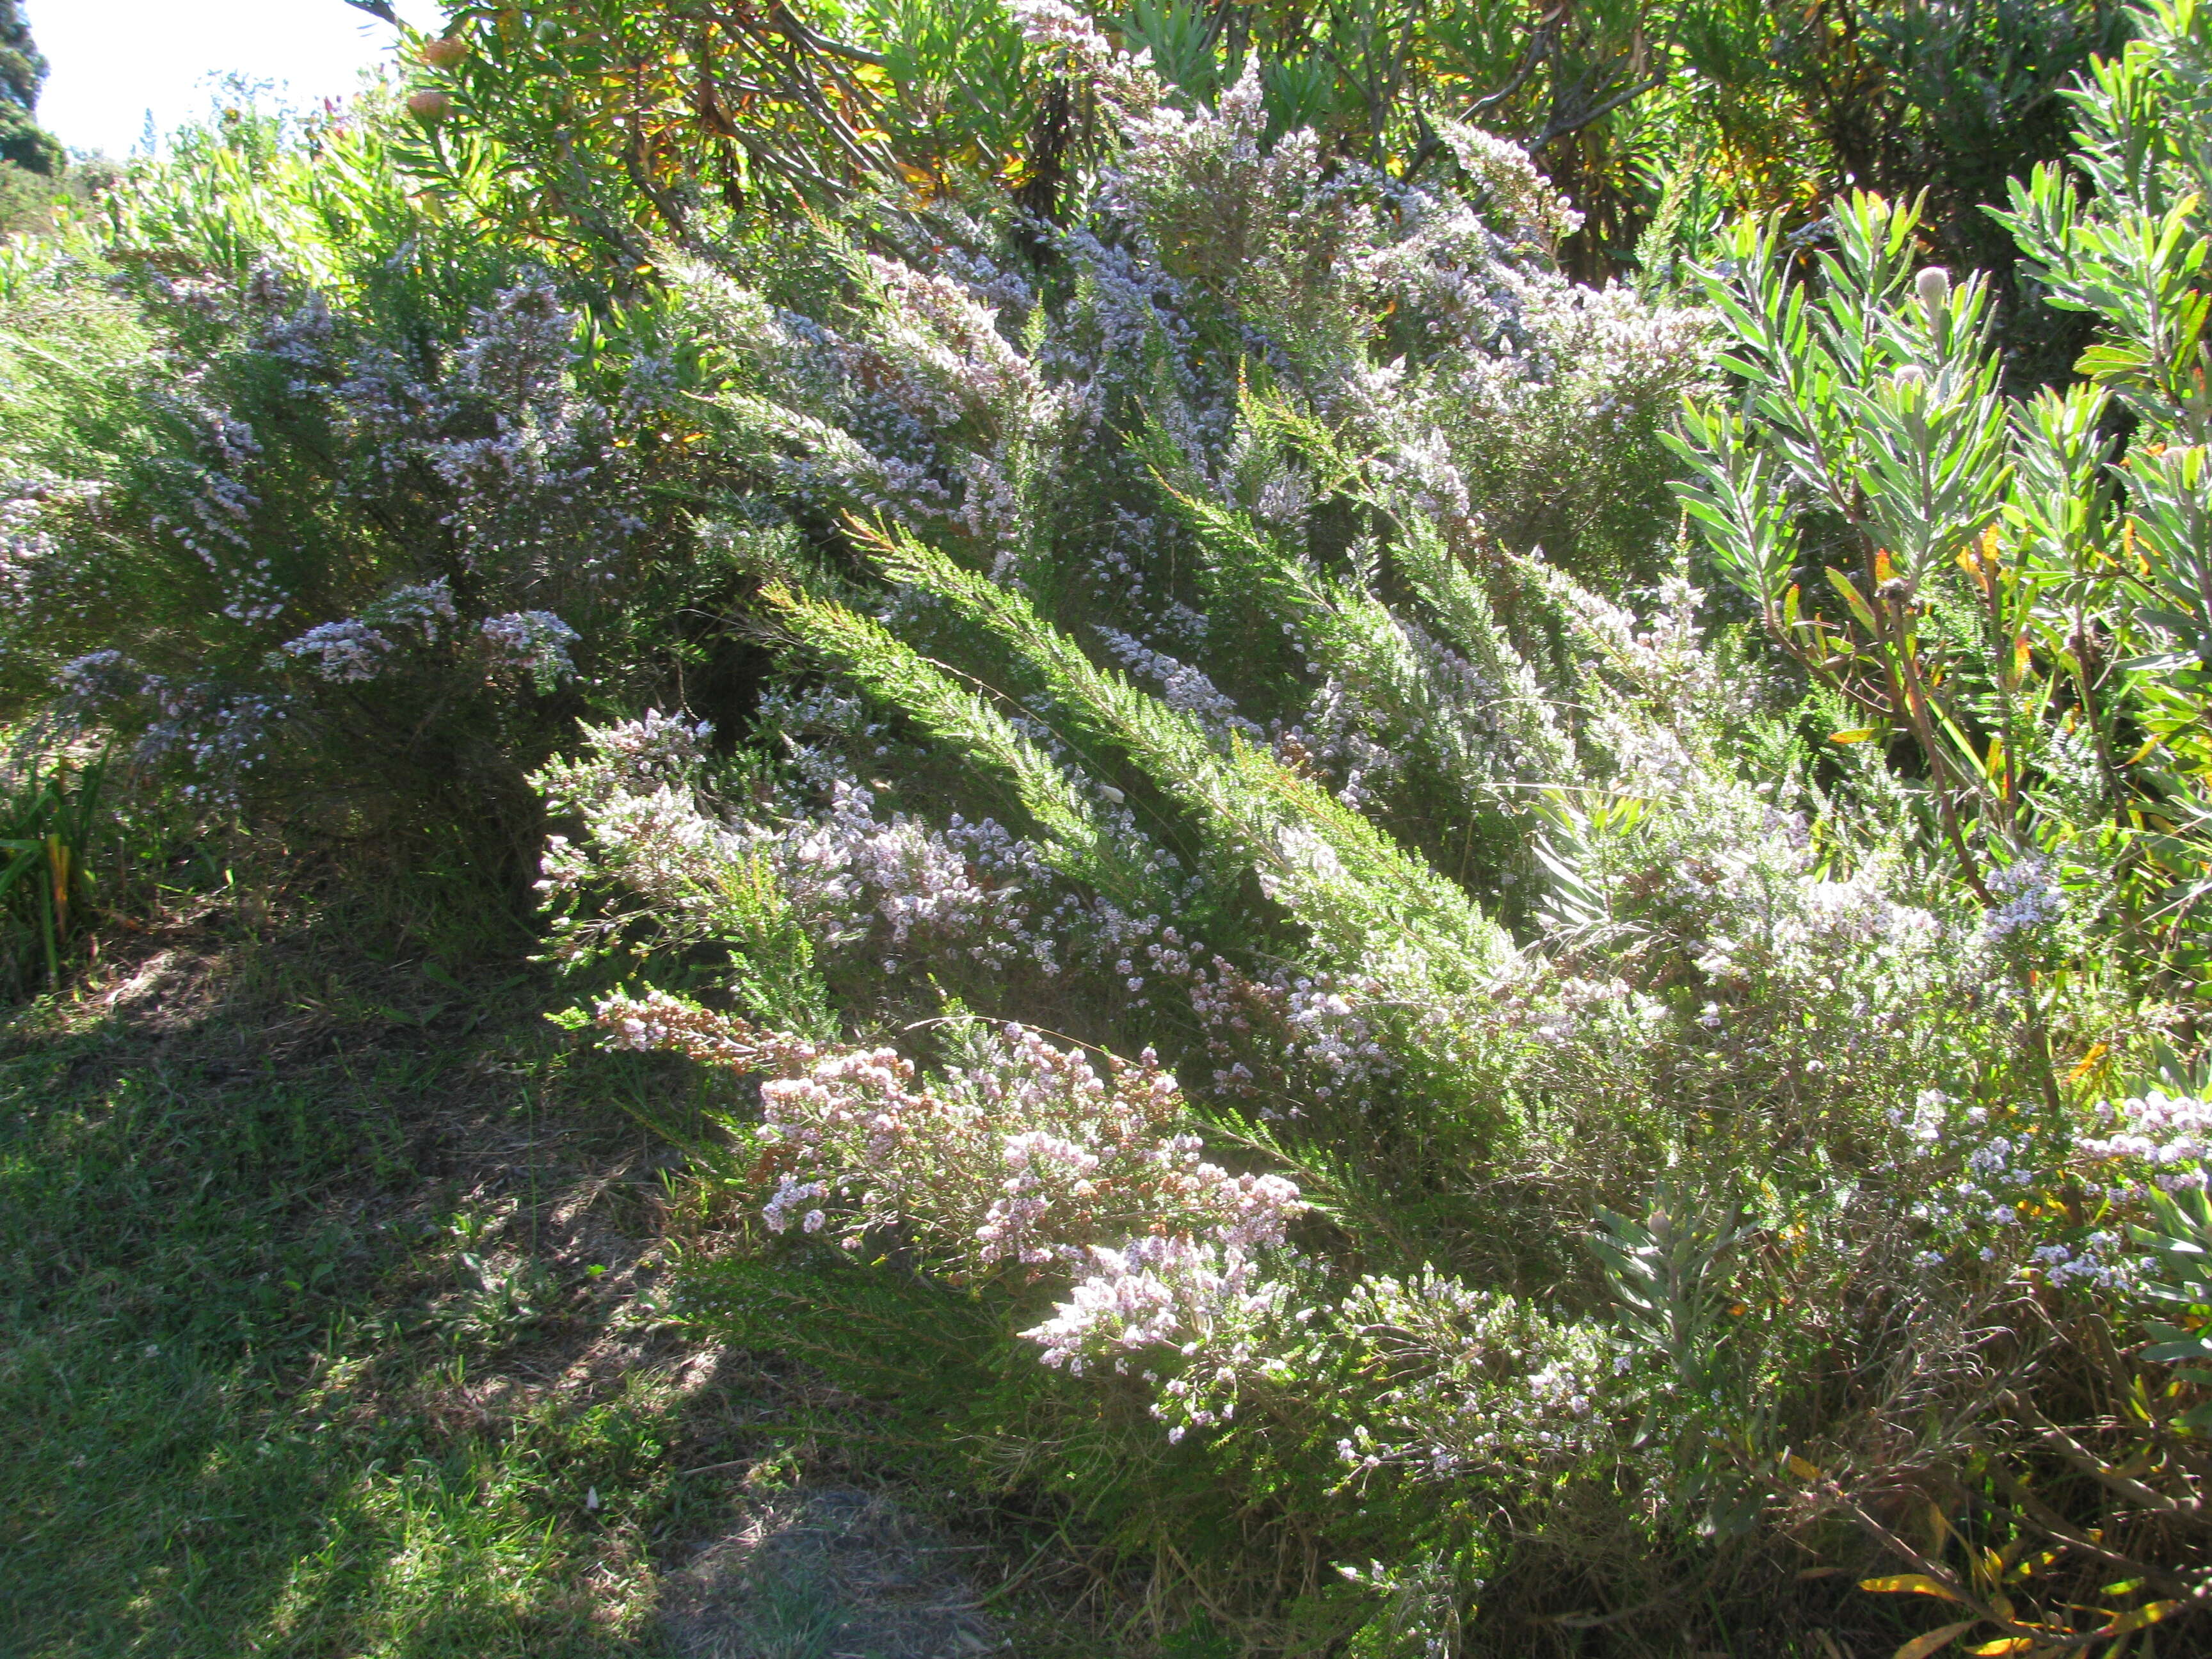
444	52
429	107
1935	285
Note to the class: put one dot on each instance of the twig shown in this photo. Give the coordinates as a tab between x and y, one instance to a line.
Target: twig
1559	129
2049	1521
2074	1452
709	1468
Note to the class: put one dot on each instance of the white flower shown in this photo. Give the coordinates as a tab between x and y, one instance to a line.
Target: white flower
535	641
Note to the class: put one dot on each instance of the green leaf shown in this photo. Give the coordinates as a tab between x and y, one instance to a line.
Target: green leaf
1851	596
2112	362
2196	1347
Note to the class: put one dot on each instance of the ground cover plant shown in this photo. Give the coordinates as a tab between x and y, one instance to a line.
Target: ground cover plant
1421	835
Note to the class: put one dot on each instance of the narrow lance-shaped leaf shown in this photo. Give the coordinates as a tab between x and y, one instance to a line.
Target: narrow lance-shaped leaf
1365	900
1076	842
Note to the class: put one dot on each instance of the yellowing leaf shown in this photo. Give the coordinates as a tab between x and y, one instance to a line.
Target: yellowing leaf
2004	1644
2135	1619
1857	734
1910	1584
1939	1524
1921	1646
1848	592
1802	1469
2097	1051
1981	562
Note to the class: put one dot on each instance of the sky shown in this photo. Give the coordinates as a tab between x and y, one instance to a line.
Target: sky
113	60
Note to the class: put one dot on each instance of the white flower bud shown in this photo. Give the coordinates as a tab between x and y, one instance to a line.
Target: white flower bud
1935	285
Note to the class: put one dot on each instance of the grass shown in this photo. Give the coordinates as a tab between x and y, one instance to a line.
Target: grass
327	1324
236	1357
330	1325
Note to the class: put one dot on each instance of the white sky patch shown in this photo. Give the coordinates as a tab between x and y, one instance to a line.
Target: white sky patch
113	61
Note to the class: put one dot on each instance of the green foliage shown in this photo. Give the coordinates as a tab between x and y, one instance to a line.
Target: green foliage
712	122
27	200
1586	958
2182	1222
1430	868
2006	590
50	825
226	1391
963	1406
23	143
937	109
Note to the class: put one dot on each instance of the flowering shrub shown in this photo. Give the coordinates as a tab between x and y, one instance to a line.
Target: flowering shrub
1089	1158
1424	863
1691	1115
1024	1162
349	527
1640	1050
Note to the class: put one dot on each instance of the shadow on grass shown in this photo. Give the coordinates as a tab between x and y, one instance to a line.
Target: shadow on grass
321	1328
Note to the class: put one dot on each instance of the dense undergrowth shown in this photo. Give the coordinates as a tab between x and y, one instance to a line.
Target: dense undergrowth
1446	772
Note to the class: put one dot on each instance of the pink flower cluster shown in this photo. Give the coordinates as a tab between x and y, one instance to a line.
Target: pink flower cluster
1024	1158
1203	1299
357	648
2167	1136
536	642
